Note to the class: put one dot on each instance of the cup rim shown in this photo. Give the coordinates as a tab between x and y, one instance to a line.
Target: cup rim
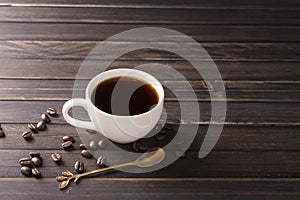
88	89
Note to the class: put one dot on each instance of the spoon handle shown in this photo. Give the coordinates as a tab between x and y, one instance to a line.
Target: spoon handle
78	176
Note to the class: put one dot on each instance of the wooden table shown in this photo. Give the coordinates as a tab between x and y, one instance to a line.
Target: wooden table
255	45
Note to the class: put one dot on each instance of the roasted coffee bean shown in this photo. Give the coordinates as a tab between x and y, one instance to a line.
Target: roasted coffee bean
160	136
135	146
168	126
52	111
93	144
41	125
45	118
25	161
36	172
143	147
100	161
56	157
102	143
2	134
67	145
27	135
32	127
34	154
79	167
36	161
86	154
82	147
26	171
68	138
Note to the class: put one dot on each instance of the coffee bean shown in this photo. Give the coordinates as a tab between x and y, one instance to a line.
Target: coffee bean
168	126
32	127
26	171
45	118
34	154
93	144
79	167
36	172
36	161
102	143
143	147
2	134
56	157
27	135
68	138
41	125
82	147
67	145
135	146
86	154
160	136
52	111
100	161
25	161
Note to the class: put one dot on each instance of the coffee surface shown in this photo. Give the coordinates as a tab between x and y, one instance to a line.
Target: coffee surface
125	96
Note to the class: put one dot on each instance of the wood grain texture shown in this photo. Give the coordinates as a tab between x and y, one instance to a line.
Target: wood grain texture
49	68
217	51
258	91
221	4
155	189
99	32
233	138
237	112
149	16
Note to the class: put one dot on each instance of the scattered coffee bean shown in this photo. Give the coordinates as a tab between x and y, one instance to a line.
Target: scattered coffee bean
52	111
93	144
26	171
27	135
36	172
45	118
67	145
2	134
102	143
61	178
56	157
32	127
41	125
79	167
100	161
25	161
82	147
160	136
68	138
86	154
168	126
36	161
143	147
34	154
135	146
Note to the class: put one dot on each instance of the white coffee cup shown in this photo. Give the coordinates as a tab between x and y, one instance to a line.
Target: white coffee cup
121	129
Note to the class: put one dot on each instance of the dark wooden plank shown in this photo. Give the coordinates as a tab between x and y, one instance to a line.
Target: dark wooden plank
47	69
259	189
234	138
260	164
99	32
149	16
217	51
221	4
263	91
237	112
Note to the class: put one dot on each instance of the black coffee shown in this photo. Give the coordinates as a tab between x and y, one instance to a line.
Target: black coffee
125	96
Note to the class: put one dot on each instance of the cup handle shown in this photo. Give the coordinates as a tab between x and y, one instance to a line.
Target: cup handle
76	122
